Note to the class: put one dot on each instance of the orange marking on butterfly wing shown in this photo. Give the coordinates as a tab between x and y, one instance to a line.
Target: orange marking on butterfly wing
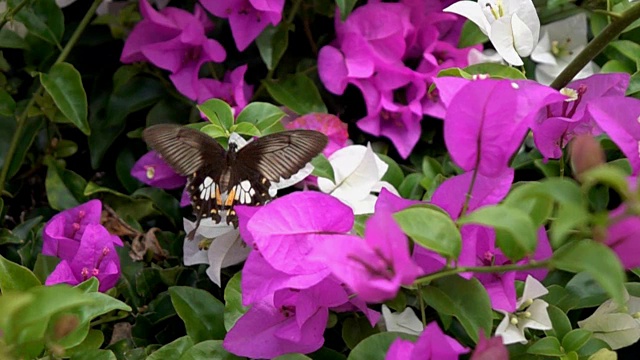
230	198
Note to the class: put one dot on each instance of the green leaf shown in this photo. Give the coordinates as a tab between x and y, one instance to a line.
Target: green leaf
44	266
293	357
322	168
64	84
7	104
43	19
96	354
410	187
356	329
99	304
549	346
109	110
10	40
568	219
345	6
93	341
162	201
65	189
245	128
14	277
65	148
375	346
471	35
218	112
126	206
431	229
233	308
208	350
203	314
172	350
296	92
394	174
215	131
559	321
623	50
496	71
604	354
634	85
7	130
516	234
466	300
263	115
90	285
609	175
29	324
575	339
597	260
585	291
272	43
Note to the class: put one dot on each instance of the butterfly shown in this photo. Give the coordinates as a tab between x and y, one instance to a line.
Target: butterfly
218	179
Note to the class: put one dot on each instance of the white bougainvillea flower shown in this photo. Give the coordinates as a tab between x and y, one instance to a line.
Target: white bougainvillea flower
226	248
532	313
405	322
486	56
358	172
512	26
617	325
560	43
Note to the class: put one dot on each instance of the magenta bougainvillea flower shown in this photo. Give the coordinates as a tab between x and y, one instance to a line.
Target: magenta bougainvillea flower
433	344
175	40
289	321
152	170
95	257
562	120
328	124
494	116
623	237
490	349
290	294
287	229
374	267
247	18
233	89
619	116
62	234
392	53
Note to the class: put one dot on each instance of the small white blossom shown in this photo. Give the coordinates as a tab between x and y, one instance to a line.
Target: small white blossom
225	247
617	325
405	322
560	43
358	172
531	313
512	26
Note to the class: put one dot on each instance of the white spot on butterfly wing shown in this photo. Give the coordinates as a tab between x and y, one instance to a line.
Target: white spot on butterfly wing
207	181
245	185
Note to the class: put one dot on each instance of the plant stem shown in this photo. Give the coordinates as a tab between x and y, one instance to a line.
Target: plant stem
482	269
597	45
21	119
423	313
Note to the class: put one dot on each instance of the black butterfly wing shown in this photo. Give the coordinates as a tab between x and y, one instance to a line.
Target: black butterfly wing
185	149
196	155
269	159
282	154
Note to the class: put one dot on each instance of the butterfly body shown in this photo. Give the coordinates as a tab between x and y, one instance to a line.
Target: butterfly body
218	179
